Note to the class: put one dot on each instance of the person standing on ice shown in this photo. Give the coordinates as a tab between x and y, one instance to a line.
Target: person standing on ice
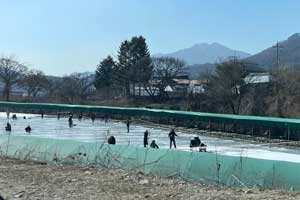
172	135
70	121
80	116
146	133
128	125
7	113
93	117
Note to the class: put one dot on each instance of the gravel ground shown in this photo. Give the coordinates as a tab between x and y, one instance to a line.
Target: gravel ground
32	180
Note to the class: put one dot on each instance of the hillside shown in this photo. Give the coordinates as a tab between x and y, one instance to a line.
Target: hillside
205	53
289	54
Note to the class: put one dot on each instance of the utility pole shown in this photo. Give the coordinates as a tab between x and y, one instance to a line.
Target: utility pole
278	47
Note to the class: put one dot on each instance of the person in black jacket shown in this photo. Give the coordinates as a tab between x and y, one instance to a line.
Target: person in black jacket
70	120
80	116
28	129
146	133
154	145
128	125
14	117
93	117
172	135
196	142
111	140
8	127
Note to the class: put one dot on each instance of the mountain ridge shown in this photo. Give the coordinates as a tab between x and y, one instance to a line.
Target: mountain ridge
289	56
201	53
288	53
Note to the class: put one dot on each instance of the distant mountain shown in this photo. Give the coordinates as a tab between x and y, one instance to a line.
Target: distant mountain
289	54
205	53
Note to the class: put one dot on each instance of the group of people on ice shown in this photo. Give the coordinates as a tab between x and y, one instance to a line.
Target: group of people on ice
8	128
196	142
153	144
14	117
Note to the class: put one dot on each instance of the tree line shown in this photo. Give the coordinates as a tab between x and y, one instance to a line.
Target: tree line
134	67
113	78
121	78
15	76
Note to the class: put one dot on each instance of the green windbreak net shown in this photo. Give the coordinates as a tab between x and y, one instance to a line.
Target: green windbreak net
206	117
196	166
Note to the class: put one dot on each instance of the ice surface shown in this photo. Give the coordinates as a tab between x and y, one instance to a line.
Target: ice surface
87	131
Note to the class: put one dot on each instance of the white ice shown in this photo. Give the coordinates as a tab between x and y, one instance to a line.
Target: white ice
87	131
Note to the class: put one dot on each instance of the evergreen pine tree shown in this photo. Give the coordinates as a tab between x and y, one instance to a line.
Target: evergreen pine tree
123	66
104	78
134	63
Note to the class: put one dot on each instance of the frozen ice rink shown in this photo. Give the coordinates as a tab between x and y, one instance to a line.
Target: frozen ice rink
87	131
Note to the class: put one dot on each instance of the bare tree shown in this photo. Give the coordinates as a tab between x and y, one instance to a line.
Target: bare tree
77	87
53	88
284	96
11	73
226	87
35	81
165	69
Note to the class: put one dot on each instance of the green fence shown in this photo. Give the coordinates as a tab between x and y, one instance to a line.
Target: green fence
197	166
206	117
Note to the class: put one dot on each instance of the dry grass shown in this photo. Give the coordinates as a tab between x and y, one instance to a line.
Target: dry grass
32	180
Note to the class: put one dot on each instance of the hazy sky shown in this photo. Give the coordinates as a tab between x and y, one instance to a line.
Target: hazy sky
64	36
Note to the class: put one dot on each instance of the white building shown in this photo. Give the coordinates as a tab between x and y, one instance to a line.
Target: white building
254	78
177	87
